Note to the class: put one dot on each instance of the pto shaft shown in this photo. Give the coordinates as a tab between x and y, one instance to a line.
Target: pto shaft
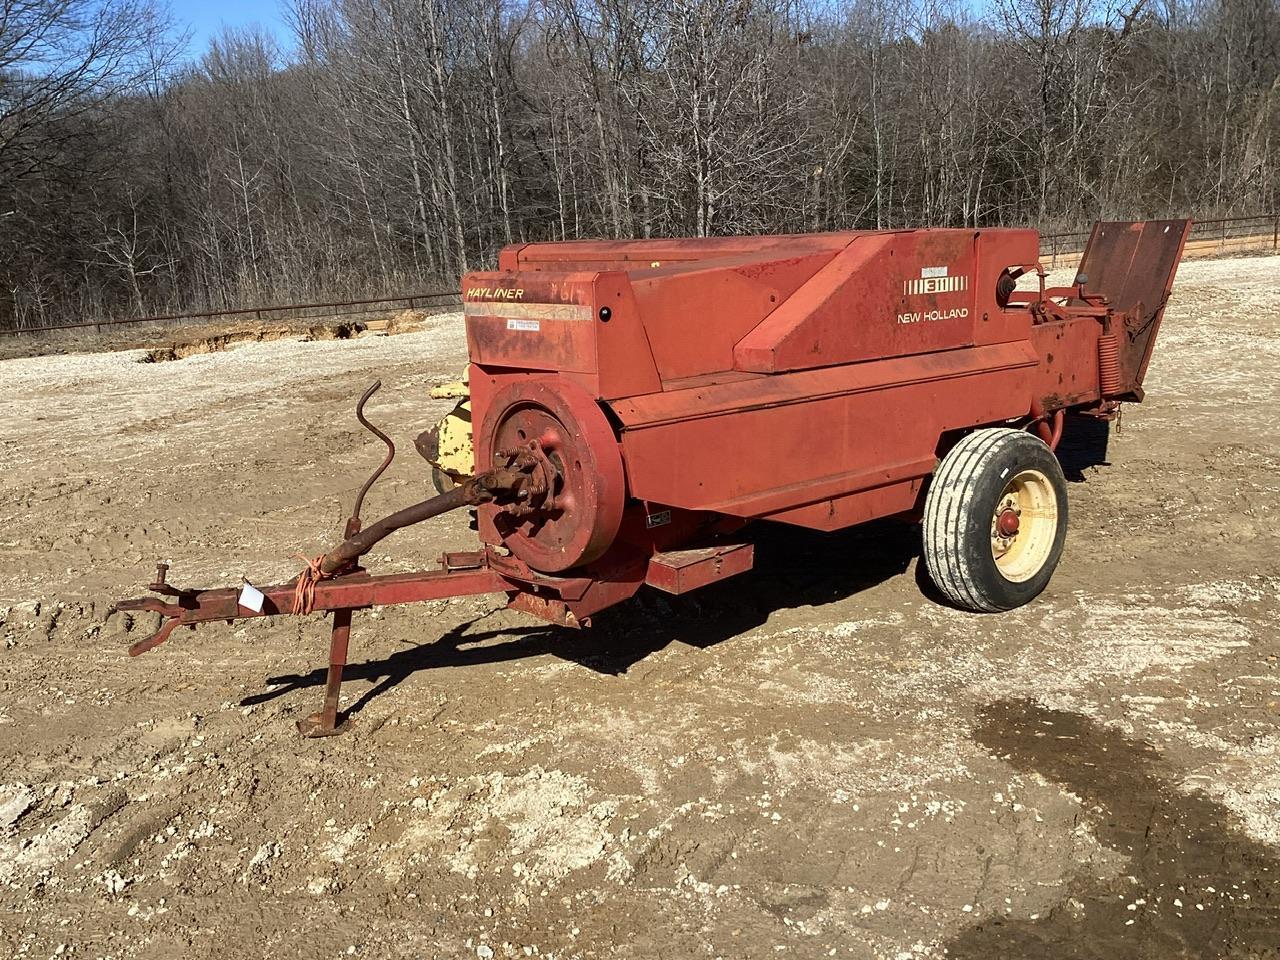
499	483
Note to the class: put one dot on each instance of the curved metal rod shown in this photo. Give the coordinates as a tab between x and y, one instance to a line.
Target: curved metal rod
1047	425
1050	434
391	451
1040	422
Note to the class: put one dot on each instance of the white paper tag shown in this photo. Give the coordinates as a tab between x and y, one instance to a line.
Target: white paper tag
251	598
530	325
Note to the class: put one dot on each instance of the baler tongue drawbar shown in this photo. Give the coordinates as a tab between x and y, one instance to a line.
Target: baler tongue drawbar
334	581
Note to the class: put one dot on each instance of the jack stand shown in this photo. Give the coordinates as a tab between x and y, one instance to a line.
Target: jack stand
325	723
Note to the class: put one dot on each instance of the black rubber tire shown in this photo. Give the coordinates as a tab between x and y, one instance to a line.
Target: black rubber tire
959	510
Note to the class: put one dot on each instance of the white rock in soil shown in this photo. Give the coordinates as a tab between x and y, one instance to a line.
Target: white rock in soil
114	883
26	611
15	800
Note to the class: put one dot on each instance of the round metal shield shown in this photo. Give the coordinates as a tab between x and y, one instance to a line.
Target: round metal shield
579	515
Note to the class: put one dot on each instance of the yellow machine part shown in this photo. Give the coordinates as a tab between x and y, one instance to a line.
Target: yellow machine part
455	457
454	390
447	445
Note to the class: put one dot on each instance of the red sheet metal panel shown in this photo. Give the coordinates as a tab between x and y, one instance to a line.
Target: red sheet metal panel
680	571
625	363
893	294
642	255
695	314
751	447
538	322
1068	352
836	513
586	325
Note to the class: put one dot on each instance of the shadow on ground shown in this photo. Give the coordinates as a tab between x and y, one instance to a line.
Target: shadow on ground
1083	445
1198	886
794	568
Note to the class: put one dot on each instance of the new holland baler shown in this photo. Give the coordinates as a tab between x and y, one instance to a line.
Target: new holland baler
636	404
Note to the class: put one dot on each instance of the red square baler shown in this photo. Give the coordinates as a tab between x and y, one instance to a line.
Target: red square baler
637	403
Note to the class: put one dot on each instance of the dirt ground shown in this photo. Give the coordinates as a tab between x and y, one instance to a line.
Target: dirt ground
813	760
177	339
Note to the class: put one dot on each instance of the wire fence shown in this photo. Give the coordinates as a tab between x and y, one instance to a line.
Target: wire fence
1207	238
330	310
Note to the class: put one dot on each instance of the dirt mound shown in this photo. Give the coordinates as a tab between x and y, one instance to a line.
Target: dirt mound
407	321
334	331
219	342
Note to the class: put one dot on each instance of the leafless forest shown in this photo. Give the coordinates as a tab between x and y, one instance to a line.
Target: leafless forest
398	142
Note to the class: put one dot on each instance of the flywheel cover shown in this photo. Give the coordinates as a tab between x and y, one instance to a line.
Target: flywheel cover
578	518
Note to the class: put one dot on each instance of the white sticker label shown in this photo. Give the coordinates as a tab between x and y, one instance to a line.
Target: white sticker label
933	271
935	285
530	325
251	598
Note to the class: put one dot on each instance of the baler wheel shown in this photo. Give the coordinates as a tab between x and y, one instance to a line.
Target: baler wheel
995	520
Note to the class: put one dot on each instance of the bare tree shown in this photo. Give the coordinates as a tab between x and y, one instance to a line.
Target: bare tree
404	141
125	247
59	61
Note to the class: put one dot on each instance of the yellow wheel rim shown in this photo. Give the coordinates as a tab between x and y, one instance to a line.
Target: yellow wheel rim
1024	526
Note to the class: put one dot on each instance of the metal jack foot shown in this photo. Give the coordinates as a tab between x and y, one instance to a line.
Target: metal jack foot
325	723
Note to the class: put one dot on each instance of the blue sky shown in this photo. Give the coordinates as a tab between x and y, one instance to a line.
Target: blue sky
206	19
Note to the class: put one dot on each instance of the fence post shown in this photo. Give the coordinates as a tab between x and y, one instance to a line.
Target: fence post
1275	234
